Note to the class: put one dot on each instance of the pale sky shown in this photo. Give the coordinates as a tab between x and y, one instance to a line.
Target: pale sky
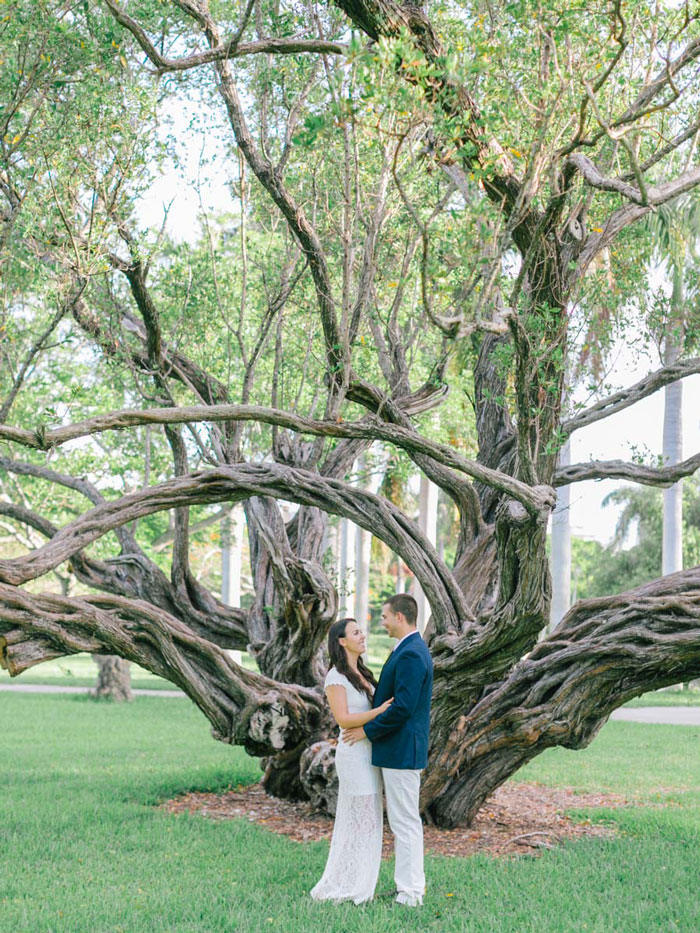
612	438
204	165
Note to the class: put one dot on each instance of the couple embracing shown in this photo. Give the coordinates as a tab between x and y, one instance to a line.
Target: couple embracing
383	741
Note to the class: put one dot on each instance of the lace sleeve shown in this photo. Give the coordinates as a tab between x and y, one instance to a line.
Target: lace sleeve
335	679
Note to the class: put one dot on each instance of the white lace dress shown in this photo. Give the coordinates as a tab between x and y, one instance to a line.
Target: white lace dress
356	847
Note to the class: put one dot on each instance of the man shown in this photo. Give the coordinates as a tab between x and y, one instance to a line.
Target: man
399	738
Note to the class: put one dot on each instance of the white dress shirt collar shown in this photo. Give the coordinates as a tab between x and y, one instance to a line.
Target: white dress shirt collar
414	632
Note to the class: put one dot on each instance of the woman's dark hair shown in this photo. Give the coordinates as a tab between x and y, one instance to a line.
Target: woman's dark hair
339	659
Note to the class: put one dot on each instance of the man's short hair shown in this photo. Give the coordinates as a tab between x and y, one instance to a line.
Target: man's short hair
404	604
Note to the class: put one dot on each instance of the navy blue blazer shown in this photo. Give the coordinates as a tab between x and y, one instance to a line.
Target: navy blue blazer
399	735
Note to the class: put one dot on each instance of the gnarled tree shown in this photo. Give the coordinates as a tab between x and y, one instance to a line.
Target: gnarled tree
423	201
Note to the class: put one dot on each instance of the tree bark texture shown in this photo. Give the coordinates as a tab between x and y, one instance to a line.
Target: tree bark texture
603	653
264	716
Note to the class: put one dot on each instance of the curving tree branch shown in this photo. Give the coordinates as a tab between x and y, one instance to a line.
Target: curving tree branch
228	49
244	708
603	653
535	499
618	401
634	210
299	224
236	483
619	469
654	196
388	19
132	574
25	516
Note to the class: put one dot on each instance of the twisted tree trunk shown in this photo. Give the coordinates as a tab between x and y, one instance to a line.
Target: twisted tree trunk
294	605
244	708
501	696
604	652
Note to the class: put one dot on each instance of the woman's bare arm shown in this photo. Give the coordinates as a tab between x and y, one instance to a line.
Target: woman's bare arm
338	702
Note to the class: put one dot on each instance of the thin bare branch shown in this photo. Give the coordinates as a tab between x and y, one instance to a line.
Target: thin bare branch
264	171
228	49
31	355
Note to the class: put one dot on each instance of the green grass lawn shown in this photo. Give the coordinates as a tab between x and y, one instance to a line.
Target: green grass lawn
79	670
82	847
669	697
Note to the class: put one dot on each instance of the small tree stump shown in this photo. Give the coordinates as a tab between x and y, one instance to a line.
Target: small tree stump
113	678
318	777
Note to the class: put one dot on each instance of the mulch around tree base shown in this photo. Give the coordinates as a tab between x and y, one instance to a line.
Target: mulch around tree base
519	818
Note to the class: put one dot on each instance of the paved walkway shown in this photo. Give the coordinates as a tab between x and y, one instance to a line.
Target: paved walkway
51	688
670	715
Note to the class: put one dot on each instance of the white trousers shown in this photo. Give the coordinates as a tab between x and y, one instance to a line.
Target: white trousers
402	788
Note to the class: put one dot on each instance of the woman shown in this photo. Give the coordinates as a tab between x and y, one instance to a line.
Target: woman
356	847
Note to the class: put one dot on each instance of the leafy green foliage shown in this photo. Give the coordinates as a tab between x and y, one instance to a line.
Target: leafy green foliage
603	571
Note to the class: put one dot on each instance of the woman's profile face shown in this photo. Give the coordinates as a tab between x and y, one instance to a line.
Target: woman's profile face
354	639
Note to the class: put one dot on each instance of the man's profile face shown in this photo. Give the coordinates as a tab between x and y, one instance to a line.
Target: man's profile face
391	621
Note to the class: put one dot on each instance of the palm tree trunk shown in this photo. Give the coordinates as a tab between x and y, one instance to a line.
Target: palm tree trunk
560	562
427	521
363	548
346	568
672	539
232	531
